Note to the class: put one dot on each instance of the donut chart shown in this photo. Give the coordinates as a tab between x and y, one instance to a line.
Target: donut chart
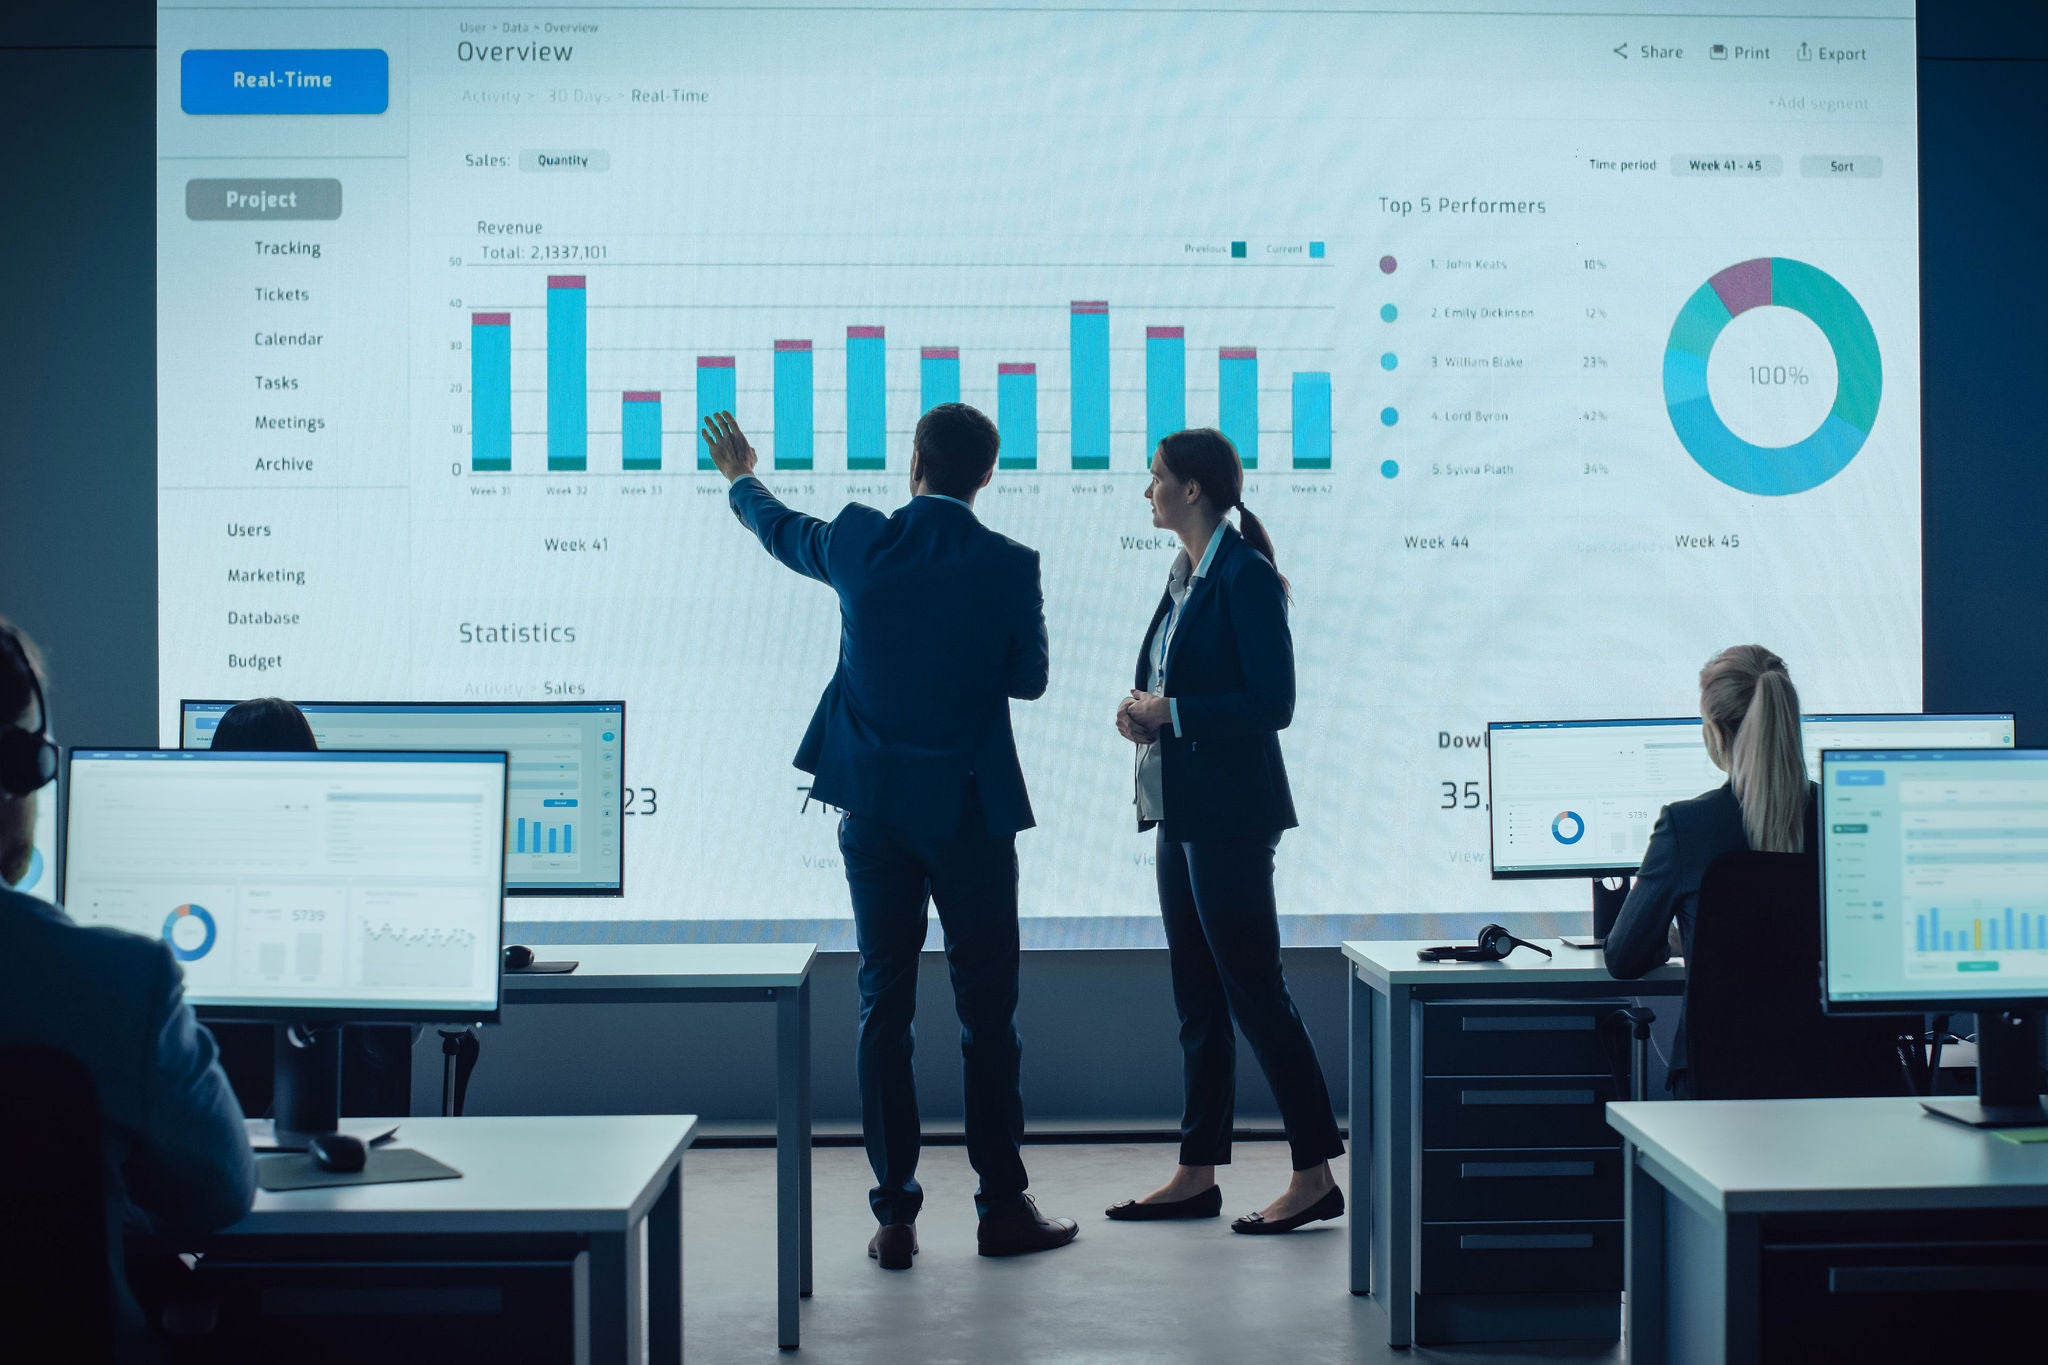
1578	827
1810	291
179	933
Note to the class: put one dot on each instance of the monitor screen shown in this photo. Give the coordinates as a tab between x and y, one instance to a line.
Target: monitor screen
1579	797
1931	874
40	878
334	886
565	830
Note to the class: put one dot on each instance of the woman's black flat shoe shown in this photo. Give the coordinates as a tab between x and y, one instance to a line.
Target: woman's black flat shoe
1207	1204
1330	1205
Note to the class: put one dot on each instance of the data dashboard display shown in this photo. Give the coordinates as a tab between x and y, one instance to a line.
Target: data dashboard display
1547	337
1578	798
1931	864
565	802
367	884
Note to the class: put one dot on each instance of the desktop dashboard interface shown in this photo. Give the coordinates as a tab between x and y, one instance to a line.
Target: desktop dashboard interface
564	808
366	882
1573	797
1932	866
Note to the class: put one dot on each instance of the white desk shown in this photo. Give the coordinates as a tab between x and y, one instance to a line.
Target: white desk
669	973
1710	1175
596	1178
1389	988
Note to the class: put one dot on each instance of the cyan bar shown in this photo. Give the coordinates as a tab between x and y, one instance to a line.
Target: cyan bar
1311	419
1920	934
867	389
568	838
1934	925
568	340
490	392
1088	399
640	425
1166	384
1237	401
519	845
793	405
717	391
938	377
1017	414
551	839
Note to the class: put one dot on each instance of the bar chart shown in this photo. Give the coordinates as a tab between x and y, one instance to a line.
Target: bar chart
538	836
792	371
1978	931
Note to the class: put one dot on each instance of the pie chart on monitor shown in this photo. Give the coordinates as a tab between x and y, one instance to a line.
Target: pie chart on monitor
190	932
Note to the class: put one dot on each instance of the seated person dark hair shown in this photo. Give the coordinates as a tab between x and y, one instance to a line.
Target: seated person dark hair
265	724
954	449
174	1153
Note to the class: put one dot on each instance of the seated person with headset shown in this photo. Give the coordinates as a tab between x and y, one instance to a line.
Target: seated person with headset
1750	714
175	1155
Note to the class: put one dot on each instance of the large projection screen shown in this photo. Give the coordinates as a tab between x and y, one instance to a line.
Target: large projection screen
1570	348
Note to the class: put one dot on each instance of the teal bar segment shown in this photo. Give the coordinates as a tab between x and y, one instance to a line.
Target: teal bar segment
1311	419
717	391
867	388
938	377
1088	358
1166	384
640	428
1017	415
793	428
568	384
1237	402
490	392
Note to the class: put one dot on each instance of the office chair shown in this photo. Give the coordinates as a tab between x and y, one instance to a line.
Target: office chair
1753	1020
55	1285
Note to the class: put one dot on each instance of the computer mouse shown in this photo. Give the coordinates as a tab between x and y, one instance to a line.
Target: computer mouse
518	957
337	1152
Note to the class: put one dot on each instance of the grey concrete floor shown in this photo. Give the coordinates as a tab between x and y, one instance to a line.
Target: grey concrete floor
1184	1293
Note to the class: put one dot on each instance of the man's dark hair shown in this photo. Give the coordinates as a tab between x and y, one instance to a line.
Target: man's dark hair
17	682
265	724
956	448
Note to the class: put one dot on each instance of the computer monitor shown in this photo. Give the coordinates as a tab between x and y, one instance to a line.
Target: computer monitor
40	878
299	887
1934	893
566	833
1578	798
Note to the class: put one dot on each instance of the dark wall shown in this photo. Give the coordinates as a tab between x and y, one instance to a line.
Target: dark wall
78	552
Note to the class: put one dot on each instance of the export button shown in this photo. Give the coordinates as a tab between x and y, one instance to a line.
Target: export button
340	80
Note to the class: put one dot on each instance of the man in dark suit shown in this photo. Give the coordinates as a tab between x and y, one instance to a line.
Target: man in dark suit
942	621
175	1157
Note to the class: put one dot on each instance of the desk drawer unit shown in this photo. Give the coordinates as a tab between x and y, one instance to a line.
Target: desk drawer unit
1520	1177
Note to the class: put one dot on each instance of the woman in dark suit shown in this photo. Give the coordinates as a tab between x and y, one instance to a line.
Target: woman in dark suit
1750	717
1215	686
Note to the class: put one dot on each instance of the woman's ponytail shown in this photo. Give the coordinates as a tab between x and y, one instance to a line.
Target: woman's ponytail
1748	694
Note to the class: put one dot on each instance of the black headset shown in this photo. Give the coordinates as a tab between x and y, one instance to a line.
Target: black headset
28	760
1494	944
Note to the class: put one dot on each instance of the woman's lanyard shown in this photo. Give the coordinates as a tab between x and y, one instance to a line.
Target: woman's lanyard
1166	630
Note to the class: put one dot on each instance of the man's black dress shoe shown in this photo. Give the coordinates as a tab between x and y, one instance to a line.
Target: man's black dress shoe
1330	1205
1023	1231
1207	1204
893	1245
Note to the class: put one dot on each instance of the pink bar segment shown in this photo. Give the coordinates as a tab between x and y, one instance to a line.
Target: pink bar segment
642	396
565	281
490	319
941	353
852	332
1017	367
792	345
1090	305
1239	352
1166	332
714	362
1745	286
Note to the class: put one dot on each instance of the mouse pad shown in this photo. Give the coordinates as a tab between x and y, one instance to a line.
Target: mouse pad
386	1166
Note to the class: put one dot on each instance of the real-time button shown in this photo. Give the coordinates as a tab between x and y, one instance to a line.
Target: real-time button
565	159
208	201
340	80
1841	167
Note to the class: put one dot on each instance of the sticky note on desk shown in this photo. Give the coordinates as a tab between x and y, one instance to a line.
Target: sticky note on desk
2022	1134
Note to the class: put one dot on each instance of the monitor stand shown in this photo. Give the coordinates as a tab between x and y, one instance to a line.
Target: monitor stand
1607	903
307	1081
2008	1075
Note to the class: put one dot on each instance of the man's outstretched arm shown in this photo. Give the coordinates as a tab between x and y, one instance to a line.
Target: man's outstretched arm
795	538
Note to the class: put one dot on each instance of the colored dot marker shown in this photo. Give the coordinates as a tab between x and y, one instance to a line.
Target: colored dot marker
1388	312
1237	251
1388	265
1315	251
1388	417
1388	362
1389	468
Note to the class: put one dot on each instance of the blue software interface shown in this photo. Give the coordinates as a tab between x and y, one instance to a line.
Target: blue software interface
564	809
1576	796
1933	865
